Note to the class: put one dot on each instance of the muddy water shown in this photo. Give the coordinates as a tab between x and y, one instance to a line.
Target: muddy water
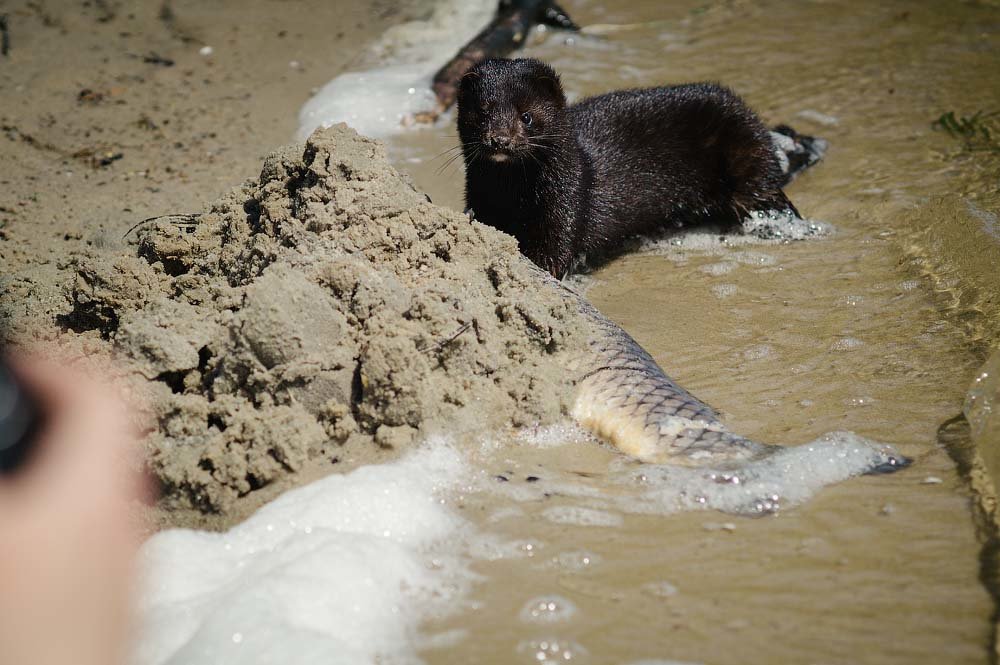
877	329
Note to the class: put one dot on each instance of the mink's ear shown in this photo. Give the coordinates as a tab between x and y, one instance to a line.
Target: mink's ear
466	83
550	83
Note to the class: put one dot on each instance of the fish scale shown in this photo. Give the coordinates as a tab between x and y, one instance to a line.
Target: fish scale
626	398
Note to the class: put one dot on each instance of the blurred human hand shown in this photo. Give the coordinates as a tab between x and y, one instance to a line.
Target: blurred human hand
67	543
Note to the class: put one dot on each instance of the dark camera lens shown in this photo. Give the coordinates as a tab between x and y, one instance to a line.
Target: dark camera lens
18	418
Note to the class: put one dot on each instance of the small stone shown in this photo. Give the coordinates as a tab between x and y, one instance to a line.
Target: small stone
716	526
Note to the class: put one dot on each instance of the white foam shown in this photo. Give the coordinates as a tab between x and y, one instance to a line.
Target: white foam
723	291
759	352
783	226
551	650
982	403
819	118
758	229
553	436
787	477
576	560
779	479
582	516
377	99
847	344
660	589
375	102
490	548
719	269
338	571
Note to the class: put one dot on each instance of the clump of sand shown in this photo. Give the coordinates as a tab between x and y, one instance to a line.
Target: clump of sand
324	312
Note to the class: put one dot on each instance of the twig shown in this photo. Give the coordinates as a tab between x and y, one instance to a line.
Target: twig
445	342
190	219
153	58
4	35
611	28
507	31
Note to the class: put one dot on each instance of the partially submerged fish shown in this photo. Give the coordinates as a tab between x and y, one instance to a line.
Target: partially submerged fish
625	397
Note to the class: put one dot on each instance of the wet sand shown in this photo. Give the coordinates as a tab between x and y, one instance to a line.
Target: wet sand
112	115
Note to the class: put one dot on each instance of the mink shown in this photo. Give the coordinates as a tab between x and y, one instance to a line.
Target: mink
579	180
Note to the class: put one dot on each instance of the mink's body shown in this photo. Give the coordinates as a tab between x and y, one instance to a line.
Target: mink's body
581	179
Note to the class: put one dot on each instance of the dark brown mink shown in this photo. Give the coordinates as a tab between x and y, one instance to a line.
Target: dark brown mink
580	180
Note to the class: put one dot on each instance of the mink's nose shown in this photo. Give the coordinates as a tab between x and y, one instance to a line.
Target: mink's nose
501	141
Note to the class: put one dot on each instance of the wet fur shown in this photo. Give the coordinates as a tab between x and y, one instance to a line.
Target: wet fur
582	179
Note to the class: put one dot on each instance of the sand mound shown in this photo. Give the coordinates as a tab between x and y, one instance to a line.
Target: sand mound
327	310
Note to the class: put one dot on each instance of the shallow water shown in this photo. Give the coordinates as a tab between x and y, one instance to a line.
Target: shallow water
878	328
857	331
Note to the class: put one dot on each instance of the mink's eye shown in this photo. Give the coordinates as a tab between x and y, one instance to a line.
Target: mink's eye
526	119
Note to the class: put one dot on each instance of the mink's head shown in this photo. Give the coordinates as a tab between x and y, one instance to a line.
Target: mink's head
508	109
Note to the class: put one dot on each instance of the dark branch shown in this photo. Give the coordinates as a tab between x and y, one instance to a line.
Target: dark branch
506	32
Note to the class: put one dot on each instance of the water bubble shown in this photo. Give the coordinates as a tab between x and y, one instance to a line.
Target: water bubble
577	560
722	291
660	589
846	344
851	300
758	352
551	651
717	269
547	609
582	516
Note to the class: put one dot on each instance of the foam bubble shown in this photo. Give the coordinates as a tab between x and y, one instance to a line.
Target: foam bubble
846	344
576	560
982	402
491	548
660	589
551	650
752	258
758	352
582	516
782	226
553	436
719	269
819	118
723	291
323	573
760	228
850	300
779	478
547	609
786	477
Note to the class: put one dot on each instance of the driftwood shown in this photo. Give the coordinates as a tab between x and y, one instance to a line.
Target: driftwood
506	32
